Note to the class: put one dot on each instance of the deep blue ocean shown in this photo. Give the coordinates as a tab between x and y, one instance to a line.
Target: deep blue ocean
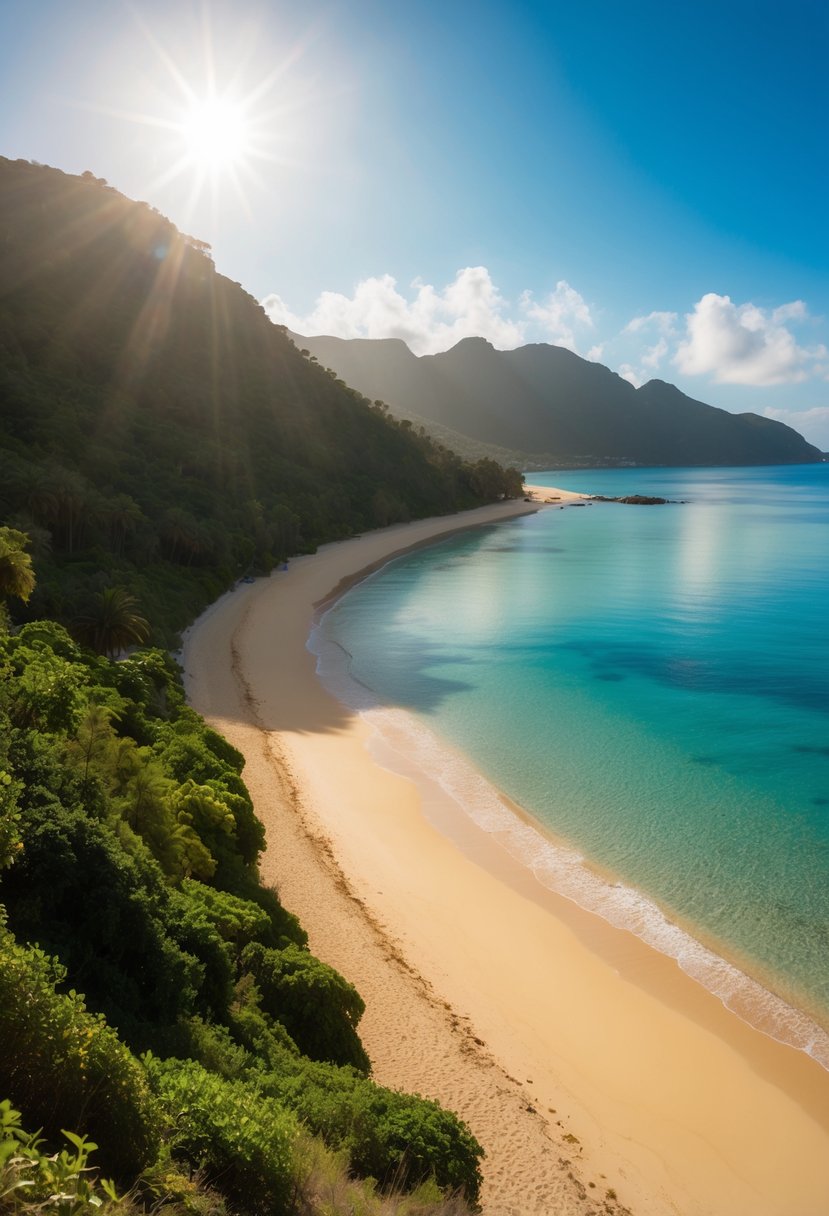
651	684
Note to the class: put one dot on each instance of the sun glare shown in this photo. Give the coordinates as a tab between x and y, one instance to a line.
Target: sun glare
216	134
221	121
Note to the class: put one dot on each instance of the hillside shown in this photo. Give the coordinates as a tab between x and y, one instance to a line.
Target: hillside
548	401
129	853
157	432
169	1041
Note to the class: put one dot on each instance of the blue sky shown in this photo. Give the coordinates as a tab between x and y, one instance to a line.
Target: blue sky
643	182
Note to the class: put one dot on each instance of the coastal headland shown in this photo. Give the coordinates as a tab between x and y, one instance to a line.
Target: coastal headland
597	1075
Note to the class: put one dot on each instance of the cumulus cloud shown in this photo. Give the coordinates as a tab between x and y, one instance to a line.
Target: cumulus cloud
659	325
813	424
628	372
654	355
795	311
430	320
560	314
662	322
743	344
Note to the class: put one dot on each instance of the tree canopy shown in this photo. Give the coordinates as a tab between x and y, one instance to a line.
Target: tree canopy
17	578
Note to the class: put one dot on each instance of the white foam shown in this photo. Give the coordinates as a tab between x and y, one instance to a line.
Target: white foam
560	868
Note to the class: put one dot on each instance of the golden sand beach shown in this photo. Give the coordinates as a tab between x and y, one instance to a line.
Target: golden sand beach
597	1075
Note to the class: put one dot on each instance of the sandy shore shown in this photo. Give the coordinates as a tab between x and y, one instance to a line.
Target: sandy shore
596	1074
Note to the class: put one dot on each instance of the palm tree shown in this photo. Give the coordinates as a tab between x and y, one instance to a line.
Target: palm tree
123	517
110	623
180	533
17	577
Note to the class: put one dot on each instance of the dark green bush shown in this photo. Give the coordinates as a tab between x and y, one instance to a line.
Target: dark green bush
266	1039
64	1067
241	1141
405	1139
190	753
399	1139
237	921
319	1009
106	914
243	881
396	1138
196	934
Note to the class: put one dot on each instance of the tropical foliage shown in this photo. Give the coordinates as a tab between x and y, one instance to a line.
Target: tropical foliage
17	577
34	1180
128	871
111	623
159	1007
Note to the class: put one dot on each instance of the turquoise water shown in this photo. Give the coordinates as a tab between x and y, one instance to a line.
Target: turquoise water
652	685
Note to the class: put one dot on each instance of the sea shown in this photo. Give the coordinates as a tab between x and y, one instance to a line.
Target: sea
650	685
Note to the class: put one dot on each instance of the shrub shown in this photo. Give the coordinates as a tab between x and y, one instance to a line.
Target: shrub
319	1009
36	1181
243	881
242	1142
65	1067
190	752
10	843
106	914
406	1139
399	1139
197	935
237	921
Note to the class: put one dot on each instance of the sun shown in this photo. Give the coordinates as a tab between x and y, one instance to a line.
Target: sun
216	134
220	116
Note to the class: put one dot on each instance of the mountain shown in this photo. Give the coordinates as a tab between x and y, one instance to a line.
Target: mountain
157	431
542	399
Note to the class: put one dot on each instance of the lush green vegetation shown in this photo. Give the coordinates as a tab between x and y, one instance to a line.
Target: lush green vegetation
159	436
160	1013
207	1037
35	1181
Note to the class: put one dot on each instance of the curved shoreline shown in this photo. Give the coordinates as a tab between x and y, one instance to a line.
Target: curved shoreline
632	1077
404	745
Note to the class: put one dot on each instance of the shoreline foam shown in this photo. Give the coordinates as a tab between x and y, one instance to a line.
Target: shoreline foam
621	1046
405	744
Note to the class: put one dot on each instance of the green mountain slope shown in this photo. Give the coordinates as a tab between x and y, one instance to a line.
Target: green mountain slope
546	400
157	431
158	437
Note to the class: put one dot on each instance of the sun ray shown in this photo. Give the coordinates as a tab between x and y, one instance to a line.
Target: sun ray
218	115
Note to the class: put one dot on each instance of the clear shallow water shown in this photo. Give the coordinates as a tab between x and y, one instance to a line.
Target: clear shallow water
652	685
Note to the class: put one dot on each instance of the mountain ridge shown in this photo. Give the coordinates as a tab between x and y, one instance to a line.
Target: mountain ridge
541	398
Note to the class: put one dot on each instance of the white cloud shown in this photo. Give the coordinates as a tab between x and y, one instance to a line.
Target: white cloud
560	314
654	355
795	311
813	424
429	321
629	373
432	320
645	361
663	322
742	344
